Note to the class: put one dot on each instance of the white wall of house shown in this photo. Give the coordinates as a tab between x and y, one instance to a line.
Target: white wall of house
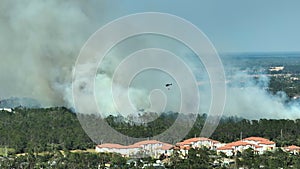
242	148
133	151
259	150
267	147
217	145
6	109
228	152
201	143
103	150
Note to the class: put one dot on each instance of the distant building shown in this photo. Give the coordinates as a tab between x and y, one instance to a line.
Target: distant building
156	148
296	97
266	145
227	150
292	149
117	148
276	68
151	148
199	142
258	144
7	109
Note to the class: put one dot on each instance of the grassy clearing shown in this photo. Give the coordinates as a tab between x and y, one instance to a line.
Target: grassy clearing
72	151
5	151
83	151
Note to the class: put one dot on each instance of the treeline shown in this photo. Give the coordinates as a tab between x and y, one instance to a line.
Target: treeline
41	130
64	160
282	131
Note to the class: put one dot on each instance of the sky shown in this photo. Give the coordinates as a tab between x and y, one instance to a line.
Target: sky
233	26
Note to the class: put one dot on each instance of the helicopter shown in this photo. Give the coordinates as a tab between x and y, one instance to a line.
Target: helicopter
168	85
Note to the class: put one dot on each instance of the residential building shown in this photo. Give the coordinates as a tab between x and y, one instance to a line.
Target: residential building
292	149
151	148
258	144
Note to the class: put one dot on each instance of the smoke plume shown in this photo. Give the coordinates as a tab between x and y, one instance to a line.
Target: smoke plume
249	98
40	41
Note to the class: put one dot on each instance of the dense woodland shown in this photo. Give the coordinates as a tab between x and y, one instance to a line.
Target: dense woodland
42	129
59	129
55	131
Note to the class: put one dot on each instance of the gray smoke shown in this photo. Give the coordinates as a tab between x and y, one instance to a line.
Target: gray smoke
249	98
40	41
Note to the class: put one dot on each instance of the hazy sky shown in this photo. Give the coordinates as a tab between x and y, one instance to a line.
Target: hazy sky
232	25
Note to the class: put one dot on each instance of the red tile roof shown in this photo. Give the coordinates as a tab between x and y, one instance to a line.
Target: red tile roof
180	147
148	142
266	142
238	143
230	146
109	145
133	146
244	143
166	146
197	139
256	139
260	140
225	148
183	143
292	148
117	146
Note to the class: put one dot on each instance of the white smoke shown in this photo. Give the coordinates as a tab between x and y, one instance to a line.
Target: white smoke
249	98
40	41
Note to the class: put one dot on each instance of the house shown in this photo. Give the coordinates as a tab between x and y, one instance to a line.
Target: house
199	142
154	148
196	142
129	150
111	148
7	109
133	150
182	149
151	148
166	149
228	150
276	68
258	144
239	146
292	149
266	145
149	144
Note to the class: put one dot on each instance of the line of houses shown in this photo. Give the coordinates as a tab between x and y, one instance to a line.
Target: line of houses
156	148
258	144
151	148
